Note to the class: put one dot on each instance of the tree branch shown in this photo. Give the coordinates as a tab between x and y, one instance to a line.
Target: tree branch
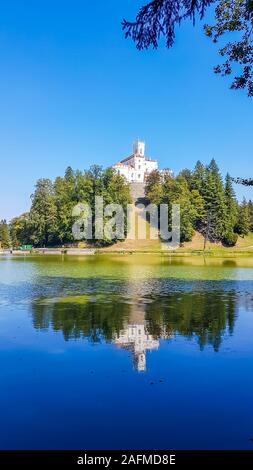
159	18
244	181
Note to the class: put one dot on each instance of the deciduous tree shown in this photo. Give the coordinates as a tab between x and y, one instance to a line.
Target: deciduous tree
161	17
4	234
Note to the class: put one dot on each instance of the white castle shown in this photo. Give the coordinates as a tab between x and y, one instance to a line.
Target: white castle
137	166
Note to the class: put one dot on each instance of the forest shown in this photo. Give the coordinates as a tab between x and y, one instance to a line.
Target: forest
208	204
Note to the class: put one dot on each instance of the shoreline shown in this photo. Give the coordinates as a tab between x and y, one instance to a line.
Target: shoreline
101	251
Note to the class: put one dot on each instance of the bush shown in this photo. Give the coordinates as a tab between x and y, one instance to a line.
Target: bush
230	239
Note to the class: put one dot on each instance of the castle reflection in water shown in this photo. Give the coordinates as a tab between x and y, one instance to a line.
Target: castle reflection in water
136	339
140	324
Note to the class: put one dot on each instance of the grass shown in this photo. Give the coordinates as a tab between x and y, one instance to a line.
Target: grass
244	247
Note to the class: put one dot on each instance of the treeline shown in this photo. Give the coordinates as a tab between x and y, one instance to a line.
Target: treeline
49	221
207	203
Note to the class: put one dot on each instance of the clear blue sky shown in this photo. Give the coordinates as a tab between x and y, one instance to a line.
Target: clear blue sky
74	92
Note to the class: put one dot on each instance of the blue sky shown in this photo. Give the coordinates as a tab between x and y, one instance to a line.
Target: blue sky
74	92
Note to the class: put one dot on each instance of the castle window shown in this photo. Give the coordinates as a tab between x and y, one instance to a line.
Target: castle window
139	176
139	167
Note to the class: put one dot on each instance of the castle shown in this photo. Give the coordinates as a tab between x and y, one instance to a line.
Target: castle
137	166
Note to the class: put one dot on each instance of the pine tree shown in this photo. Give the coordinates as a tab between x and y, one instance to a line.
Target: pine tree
250	207
214	196
4	234
231	204
243	222
69	174
43	213
198	204
198	177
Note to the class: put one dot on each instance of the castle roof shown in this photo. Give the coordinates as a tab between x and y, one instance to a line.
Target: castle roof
139	156
122	164
127	158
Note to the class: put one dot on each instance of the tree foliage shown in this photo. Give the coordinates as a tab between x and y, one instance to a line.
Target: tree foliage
244	181
235	16
43	213
243	222
207	203
5	241
50	219
20	230
160	18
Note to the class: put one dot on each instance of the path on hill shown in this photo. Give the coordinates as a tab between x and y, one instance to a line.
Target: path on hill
141	225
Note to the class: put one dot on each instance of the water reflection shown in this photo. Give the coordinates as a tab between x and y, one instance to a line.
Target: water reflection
139	324
72	332
135	338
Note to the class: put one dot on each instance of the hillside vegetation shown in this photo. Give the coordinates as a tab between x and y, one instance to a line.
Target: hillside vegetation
211	217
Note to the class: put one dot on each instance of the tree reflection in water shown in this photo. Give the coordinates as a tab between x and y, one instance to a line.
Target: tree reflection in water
137	324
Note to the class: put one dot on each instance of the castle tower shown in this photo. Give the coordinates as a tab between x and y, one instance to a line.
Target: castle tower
139	148
136	166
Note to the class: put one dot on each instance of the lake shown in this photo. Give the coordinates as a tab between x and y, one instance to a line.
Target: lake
126	352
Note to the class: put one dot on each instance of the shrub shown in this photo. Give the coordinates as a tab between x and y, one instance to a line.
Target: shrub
230	239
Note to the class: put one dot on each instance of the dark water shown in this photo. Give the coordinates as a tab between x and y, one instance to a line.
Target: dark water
126	352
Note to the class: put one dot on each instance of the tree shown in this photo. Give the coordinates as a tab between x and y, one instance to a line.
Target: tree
20	230
208	227
176	191
235	16
188	176
198	177
4	234
116	191
250	208
43	213
14	239
69	174
153	187
51	219
230	239
160	18
206	204
231	203
214	196
169	190
243	181
243	223
64	203
198	204
152	179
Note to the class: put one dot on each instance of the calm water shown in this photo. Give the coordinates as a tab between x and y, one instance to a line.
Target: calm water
126	352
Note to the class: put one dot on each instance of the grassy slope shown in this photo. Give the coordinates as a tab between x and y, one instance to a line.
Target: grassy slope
243	246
